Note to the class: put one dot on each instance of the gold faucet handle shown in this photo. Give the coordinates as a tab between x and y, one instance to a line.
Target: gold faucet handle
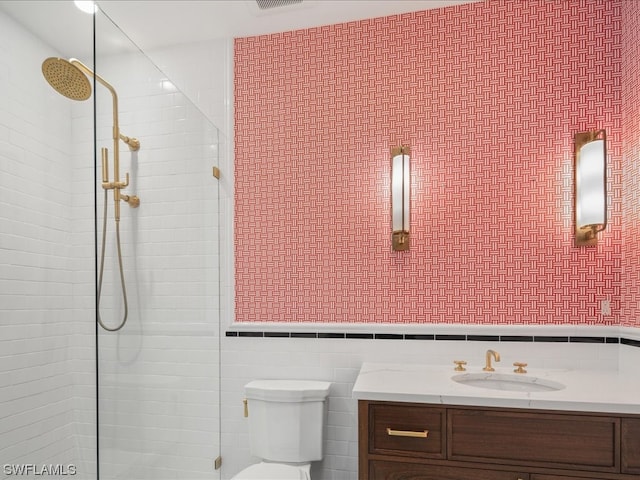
460	365
520	368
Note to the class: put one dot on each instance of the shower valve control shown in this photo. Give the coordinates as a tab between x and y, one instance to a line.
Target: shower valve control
106	184
123	184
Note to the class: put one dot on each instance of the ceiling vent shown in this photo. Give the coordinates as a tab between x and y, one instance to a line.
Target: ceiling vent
268	4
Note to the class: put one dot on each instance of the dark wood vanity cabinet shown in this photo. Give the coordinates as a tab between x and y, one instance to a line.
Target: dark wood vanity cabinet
536	476
409	441
390	424
631	445
380	470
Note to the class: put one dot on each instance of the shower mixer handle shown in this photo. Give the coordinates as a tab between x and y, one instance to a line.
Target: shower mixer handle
124	184
106	184
116	185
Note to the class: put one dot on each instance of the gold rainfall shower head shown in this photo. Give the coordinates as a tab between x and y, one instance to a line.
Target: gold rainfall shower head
66	78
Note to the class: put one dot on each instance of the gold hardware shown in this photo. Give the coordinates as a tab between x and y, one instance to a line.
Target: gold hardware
71	79
495	355
66	78
460	367
132	200
400	241
217	463
216	172
246	407
105	165
587	236
520	368
124	184
590	219
134	143
407	433
400	197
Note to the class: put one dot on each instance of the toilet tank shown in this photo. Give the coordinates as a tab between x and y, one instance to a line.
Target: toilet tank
286	419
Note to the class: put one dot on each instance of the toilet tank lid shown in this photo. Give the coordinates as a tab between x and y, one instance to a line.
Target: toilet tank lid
287	390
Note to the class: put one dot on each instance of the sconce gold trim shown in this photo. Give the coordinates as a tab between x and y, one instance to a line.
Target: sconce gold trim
400	197
590	186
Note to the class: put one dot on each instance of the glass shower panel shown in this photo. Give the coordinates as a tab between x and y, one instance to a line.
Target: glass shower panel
47	389
158	375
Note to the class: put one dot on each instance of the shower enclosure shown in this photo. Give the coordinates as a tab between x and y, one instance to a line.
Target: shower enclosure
78	400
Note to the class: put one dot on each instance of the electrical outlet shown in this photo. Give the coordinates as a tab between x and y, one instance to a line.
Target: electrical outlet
605	307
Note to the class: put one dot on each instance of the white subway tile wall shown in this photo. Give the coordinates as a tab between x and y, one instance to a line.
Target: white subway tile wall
37	264
339	361
159	381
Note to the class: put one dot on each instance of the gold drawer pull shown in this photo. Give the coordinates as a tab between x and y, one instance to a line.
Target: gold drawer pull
407	433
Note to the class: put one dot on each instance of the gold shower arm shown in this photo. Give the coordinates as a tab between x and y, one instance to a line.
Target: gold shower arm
91	74
133	143
116	128
116	185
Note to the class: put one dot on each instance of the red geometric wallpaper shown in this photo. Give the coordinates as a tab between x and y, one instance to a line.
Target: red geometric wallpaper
630	315
488	96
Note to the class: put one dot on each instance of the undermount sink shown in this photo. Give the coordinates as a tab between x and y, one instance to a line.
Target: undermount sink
507	382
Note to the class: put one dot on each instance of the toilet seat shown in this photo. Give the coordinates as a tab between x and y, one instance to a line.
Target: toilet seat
272	471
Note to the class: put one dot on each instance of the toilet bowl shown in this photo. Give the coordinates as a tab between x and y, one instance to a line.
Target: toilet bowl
286	428
275	471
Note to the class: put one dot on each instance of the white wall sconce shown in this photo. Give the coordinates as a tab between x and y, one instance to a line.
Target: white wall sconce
400	197
590	172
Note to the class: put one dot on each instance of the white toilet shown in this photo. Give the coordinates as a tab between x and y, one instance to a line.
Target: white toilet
286	428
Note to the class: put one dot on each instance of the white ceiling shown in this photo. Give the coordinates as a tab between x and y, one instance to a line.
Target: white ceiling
152	24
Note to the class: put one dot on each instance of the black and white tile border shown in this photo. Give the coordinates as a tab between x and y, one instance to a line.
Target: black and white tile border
437	337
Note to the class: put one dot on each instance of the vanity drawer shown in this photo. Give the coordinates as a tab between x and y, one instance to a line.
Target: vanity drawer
408	429
572	442
379	470
631	445
559	477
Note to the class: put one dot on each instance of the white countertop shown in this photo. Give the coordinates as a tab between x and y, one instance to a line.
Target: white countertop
585	390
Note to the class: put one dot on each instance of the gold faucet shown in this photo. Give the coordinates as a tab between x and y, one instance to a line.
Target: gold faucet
496	356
